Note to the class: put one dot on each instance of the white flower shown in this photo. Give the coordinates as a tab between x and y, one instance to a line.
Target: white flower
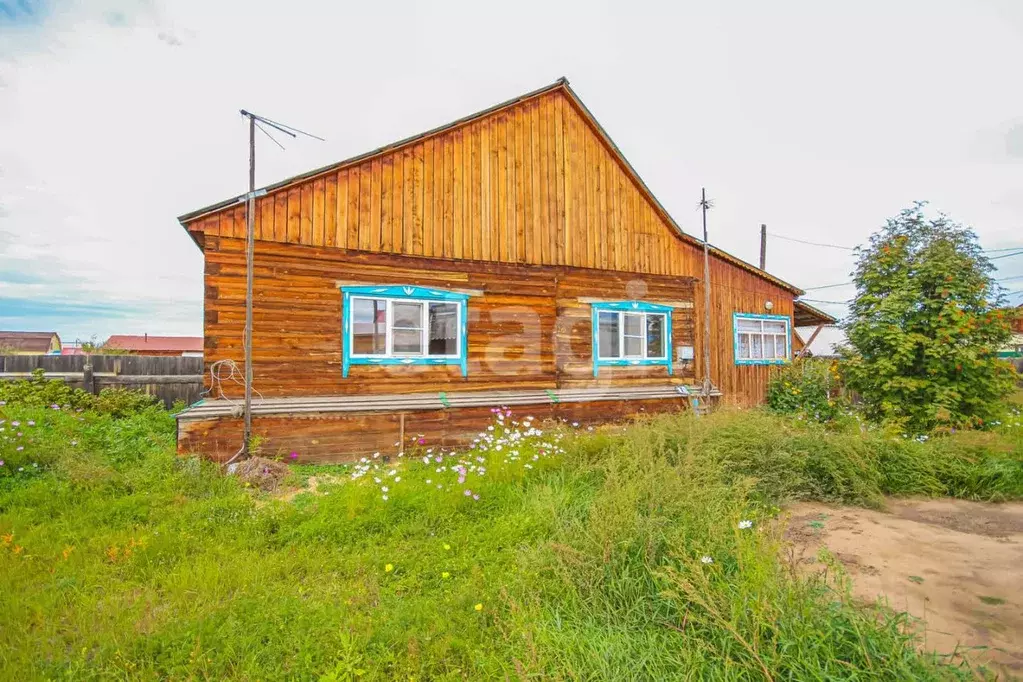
397	479
743	525
706	560
384	497
383	488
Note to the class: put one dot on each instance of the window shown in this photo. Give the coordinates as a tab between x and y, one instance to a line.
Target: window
403	325
631	333
761	339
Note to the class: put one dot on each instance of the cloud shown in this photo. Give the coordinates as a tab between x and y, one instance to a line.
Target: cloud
118	115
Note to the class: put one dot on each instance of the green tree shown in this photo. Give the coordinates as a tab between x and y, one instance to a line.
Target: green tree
925	326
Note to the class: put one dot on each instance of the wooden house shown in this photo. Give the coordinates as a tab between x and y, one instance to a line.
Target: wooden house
513	257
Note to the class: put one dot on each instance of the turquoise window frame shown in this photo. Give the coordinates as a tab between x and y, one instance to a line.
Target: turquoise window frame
403	293
767	318
630	307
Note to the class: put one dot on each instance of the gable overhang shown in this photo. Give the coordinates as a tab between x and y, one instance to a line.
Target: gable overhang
560	84
805	315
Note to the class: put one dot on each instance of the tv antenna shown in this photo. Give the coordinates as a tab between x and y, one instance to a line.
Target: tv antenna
262	123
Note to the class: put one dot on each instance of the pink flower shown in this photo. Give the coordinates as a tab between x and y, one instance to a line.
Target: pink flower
475	497
468	493
421	441
293	455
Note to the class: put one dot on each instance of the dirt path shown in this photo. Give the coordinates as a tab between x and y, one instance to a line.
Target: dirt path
957	565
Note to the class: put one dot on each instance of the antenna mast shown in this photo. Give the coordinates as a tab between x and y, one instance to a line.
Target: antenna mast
255	121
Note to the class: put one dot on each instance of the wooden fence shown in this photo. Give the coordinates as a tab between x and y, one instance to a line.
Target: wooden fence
168	378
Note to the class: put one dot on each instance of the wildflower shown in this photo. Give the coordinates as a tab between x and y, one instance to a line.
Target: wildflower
388	568
429	481
475	497
31	423
293	455
19	449
74	442
421	441
445	575
478	607
468	493
384	497
575	424
1	462
397	479
743	525
15	423
706	560
447	546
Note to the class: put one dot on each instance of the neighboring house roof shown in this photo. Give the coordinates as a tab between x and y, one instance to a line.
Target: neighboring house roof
562	84
144	343
28	341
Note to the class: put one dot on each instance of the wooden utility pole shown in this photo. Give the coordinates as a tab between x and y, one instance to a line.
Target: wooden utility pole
250	247
706	298
763	247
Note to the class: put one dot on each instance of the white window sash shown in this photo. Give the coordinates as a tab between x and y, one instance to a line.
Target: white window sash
642	336
424	336
767	340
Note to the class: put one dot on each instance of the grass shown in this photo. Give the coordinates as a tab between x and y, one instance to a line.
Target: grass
601	556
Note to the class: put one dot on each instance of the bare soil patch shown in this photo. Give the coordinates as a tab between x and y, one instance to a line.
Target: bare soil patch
262	473
956	565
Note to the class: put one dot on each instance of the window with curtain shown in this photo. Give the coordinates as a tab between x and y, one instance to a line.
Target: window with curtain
761	339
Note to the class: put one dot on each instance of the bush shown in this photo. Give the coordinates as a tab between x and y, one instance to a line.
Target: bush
42	392
807	387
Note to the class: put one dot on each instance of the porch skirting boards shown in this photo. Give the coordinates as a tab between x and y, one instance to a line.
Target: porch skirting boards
344	428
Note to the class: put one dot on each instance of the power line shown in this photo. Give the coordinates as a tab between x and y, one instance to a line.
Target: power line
1007	255
1018	249
803	241
817	300
829	286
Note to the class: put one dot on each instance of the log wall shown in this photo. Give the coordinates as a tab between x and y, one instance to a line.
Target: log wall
527	327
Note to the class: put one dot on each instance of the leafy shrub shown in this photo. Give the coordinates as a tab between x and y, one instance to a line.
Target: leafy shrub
39	391
121	402
807	387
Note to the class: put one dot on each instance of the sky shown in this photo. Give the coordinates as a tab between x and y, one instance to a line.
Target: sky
819	119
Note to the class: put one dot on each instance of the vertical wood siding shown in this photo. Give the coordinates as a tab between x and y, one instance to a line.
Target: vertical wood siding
533	184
